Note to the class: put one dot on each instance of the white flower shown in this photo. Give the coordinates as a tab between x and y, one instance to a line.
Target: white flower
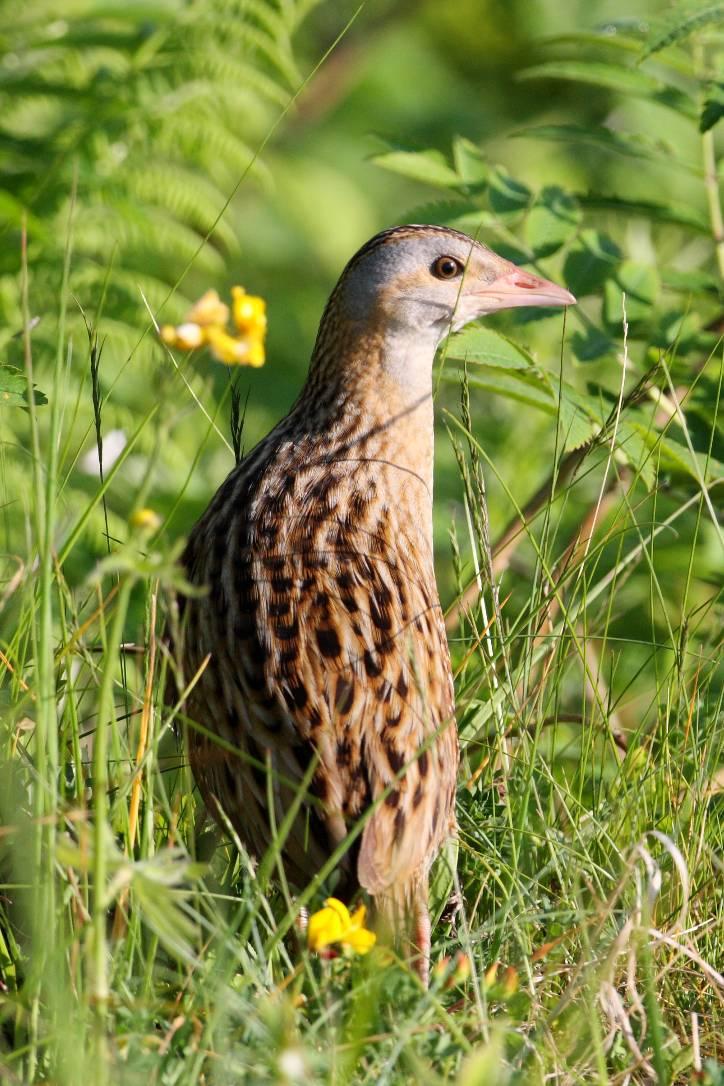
114	442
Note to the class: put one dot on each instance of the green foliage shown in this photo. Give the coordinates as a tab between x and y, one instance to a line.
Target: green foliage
680	23
578	491
551	222
14	387
558	221
129	126
151	111
613	75
713	110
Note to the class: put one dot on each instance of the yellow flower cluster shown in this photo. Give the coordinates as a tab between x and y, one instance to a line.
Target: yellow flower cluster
206	325
335	924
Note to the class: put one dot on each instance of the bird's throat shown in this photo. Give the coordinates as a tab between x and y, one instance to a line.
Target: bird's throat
371	395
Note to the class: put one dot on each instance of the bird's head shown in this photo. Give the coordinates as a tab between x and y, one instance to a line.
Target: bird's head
404	291
436	280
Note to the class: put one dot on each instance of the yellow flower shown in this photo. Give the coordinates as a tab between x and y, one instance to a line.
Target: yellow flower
209	310
462	969
335	924
491	976
501	987
234	350
449	972
249	312
256	355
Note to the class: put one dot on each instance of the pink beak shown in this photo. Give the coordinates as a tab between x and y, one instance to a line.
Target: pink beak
518	288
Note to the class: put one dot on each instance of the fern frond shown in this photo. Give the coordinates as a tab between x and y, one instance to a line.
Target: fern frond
153	106
182	192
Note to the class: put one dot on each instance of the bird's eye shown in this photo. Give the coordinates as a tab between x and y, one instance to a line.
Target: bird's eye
446	267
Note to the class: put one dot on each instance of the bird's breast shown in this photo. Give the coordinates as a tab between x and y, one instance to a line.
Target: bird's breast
322	634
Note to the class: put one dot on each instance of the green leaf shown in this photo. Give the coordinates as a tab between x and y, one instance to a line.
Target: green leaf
592	346
641	285
637	451
576	426
615	77
691	281
616	43
552	221
14	388
430	167
676	457
677	214
713	109
595	73
470	162
677	329
674	29
622	143
482	345
507	370
524	386
462	214
505	194
590	262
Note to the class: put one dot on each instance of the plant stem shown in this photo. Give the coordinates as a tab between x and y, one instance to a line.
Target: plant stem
40	917
711	181
99	960
44	484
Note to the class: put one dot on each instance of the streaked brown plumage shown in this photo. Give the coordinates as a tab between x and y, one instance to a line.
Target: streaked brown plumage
321	619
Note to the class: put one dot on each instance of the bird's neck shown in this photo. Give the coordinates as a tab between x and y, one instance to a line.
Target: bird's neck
370	393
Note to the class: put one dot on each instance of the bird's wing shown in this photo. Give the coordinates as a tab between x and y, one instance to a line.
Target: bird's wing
359	658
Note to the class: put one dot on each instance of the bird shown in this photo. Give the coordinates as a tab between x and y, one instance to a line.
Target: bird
315	633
